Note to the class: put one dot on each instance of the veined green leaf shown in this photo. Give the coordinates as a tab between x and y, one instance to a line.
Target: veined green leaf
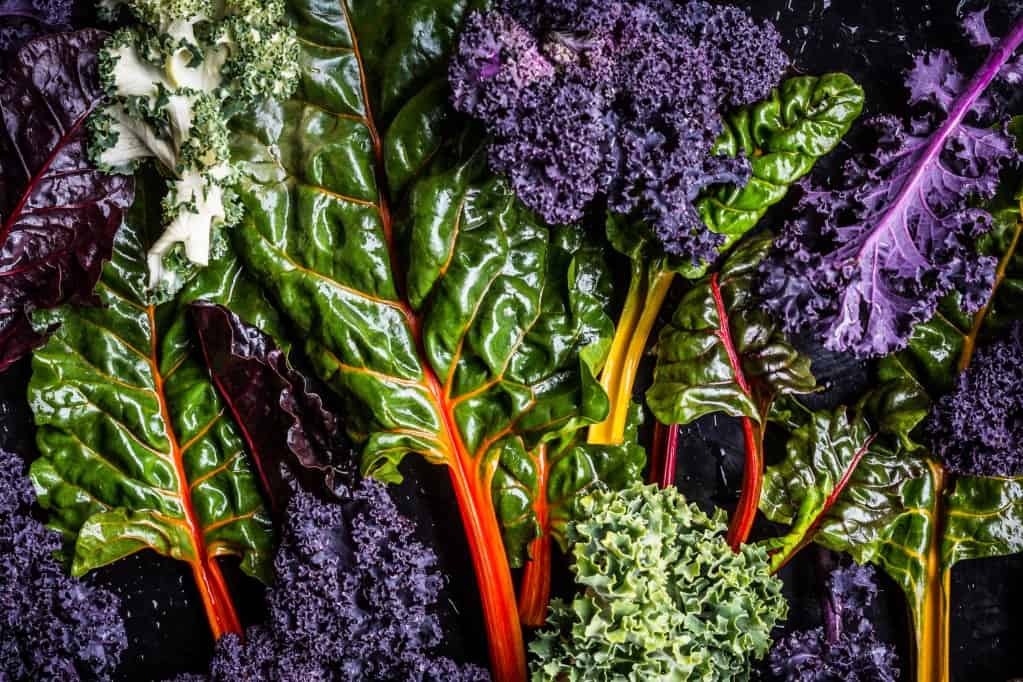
721	353
455	324
783	137
136	451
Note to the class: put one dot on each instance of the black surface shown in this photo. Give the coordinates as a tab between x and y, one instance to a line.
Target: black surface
873	41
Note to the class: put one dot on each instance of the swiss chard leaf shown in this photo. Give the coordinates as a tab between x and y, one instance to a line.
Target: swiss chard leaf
489	342
136	449
783	137
277	408
821	458
849	485
58	213
721	353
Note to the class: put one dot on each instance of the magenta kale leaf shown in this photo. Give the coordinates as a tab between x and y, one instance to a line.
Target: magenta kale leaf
58	213
52	626
279	410
864	263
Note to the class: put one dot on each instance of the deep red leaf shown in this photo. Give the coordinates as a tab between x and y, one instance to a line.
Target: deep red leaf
58	213
278	409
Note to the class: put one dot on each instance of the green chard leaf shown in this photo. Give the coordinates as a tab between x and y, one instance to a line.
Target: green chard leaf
455	325
721	353
783	137
136	450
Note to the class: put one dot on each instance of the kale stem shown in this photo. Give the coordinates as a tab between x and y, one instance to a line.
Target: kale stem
831	610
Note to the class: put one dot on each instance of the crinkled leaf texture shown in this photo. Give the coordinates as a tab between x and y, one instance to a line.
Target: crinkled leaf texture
355	597
491	351
136	450
452	323
21	20
721	353
278	409
54	627
661	595
821	459
783	136
58	213
864	263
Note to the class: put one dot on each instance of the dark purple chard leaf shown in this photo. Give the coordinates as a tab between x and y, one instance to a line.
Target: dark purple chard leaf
280	414
866	262
21	20
58	213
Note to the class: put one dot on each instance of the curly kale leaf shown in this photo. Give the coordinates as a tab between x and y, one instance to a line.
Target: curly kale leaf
865	262
618	100
52	627
662	596
846	649
355	598
977	429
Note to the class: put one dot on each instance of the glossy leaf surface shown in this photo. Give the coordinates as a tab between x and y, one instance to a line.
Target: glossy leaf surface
721	353
486	341
136	449
58	213
821	459
278	409
783	137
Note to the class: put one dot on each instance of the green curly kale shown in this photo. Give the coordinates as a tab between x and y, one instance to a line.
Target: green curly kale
174	79
663	597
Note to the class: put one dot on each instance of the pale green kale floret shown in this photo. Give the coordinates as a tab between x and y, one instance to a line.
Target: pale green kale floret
661	596
174	80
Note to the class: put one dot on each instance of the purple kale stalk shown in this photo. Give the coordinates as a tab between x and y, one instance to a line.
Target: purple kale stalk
977	429
614	100
846	649
862	264
52	626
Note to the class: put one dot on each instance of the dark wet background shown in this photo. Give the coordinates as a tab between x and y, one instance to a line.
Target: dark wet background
872	40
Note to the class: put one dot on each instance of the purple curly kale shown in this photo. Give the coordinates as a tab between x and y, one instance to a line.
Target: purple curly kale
355	598
21	20
618	99
977	429
864	263
846	649
52	626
